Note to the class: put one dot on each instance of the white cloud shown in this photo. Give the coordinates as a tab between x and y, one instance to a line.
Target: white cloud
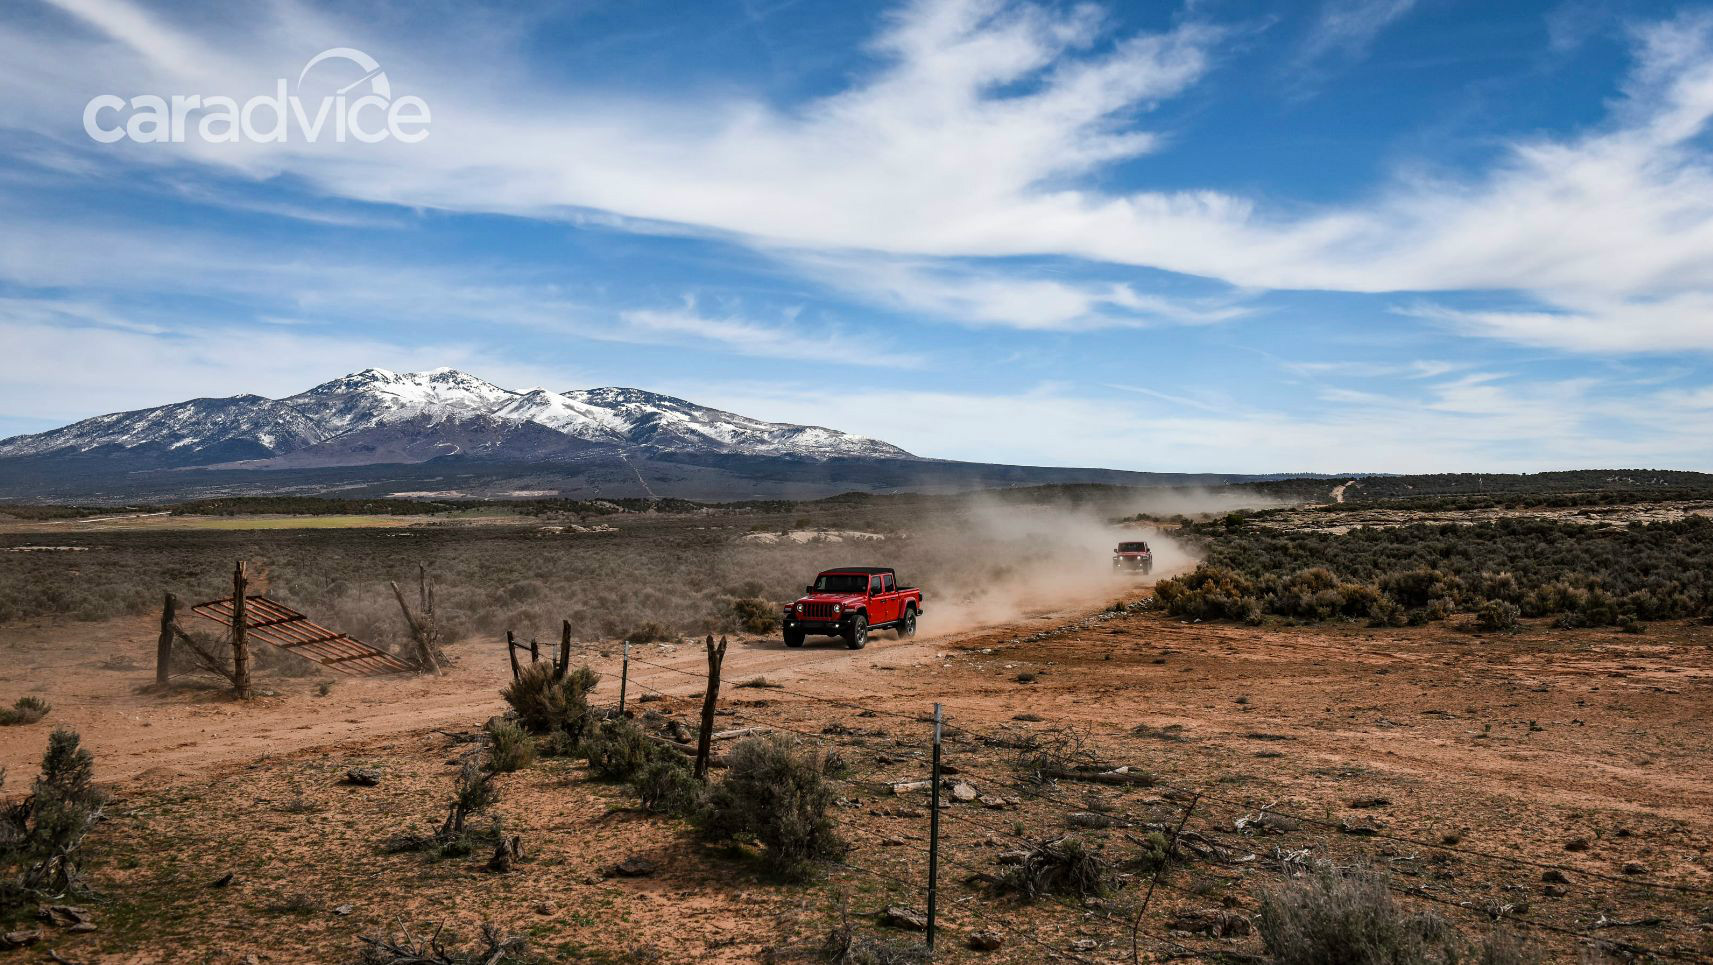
1676	323
689	326
123	369
325	287
985	295
1474	423
974	137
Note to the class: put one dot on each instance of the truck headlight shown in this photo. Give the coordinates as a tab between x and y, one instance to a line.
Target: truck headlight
835	609
799	609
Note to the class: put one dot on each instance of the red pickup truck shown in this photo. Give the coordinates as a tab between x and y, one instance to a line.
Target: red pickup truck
850	602
1133	558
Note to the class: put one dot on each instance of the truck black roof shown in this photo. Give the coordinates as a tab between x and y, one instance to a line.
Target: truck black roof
871	570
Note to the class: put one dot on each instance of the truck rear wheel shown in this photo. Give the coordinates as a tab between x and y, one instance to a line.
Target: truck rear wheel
794	638
907	626
856	632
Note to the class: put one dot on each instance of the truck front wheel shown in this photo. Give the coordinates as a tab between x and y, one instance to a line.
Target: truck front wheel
856	632
794	638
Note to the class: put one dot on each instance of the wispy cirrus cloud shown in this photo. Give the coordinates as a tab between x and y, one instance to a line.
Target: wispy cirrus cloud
1479	421
983	294
1347	28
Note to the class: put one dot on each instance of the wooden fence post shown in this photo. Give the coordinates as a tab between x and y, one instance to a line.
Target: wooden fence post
421	630
511	651
163	649
704	741
564	665
624	677
240	633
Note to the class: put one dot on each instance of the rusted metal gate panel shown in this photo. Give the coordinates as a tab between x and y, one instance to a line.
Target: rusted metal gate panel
280	625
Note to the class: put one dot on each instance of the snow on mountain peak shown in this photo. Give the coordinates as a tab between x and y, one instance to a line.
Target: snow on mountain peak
376	397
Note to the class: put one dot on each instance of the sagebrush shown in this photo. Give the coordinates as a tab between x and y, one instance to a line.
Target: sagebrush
776	792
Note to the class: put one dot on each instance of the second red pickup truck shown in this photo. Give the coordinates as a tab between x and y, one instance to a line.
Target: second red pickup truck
850	602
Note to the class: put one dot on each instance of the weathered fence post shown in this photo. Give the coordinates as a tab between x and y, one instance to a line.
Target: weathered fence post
1159	869
934	838
163	649
425	593
563	667
624	678
534	652
511	651
240	633
421	630
704	740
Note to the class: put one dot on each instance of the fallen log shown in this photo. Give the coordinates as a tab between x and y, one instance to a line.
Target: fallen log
740	732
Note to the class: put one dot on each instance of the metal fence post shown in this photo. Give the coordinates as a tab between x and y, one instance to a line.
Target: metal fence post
624	679
934	837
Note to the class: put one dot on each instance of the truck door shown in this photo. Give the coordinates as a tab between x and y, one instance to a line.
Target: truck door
881	606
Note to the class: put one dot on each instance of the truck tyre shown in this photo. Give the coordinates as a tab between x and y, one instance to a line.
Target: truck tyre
907	626
856	632
794	638
1147	567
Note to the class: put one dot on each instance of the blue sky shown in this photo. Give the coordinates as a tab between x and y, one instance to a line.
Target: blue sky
1380	235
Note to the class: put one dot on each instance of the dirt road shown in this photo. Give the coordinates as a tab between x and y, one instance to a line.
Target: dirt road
97	677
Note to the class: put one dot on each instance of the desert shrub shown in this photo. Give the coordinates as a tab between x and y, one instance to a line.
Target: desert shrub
666	786
844	945
1497	615
1210	593
473	792
650	632
1502	947
1068	866
1577	574
509	747
619	750
1350	917
545	702
776	792
1318	594
40	836
1153	852
753	615
27	710
558	743
493	948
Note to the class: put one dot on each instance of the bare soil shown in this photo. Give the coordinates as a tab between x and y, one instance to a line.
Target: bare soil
1512	746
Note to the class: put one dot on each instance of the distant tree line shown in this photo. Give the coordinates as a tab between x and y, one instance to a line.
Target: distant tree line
1370	488
1578	574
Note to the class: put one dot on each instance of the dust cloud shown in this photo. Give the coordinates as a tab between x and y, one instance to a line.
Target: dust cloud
993	561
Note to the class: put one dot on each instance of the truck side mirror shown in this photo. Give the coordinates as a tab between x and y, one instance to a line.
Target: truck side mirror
809	589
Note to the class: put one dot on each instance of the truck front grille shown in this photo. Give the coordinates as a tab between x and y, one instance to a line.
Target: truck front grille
817	611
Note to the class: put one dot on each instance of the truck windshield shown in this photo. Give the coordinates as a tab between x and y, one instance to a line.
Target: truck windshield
841	583
1133	547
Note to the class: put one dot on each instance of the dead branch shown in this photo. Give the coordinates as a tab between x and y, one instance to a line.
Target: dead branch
404	948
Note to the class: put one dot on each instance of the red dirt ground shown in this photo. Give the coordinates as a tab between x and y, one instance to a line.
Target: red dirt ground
1511	745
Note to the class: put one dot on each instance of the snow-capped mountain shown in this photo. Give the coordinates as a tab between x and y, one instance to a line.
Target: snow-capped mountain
376	416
